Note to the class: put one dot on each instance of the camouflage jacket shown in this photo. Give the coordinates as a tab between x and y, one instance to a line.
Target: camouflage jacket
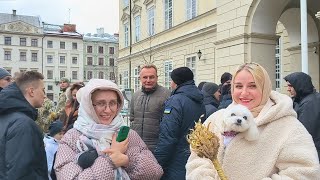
61	103
46	115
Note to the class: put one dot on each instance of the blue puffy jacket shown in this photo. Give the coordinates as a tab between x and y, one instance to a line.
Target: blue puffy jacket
182	110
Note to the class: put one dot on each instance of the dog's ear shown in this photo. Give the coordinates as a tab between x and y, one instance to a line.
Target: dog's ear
252	133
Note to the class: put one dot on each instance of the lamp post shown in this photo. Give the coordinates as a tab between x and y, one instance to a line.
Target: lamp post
199	53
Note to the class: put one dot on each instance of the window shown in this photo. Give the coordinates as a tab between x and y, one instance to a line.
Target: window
62	60
125	3
111	50
49	59
62	45
111	62
62	74
125	80
120	79
100	49
89	49
89	75
34	57
168	13
112	76
167	73
137	22
136	79
151	21
34	70
89	60
191	64
191	9
126	35
74	45
74	60
101	75
49	44
49	74
50	96
23	56
34	42
74	74
50	87
23	41
9	70
278	64
7	55
7	40
101	61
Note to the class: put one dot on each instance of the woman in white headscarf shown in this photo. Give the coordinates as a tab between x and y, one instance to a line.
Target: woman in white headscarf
90	151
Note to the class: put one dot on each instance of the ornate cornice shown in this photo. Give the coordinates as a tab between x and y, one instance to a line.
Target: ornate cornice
124	17
136	9
146	2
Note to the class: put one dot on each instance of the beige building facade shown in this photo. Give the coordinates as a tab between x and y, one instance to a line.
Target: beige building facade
169	34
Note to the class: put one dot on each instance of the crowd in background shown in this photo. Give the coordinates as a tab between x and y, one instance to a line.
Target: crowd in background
76	138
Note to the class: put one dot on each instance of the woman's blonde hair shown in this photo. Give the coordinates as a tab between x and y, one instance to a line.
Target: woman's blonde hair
261	78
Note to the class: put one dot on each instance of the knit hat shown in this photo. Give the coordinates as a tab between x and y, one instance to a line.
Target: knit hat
181	75
210	88
4	73
64	79
55	127
225	77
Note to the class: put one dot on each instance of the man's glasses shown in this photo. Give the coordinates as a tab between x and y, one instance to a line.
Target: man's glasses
113	105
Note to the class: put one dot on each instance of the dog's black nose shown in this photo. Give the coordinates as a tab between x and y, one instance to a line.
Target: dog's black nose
238	120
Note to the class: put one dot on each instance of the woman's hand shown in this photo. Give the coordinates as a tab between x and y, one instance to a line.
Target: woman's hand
120	146
116	152
118	159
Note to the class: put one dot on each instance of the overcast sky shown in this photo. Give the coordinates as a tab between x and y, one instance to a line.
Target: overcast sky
88	15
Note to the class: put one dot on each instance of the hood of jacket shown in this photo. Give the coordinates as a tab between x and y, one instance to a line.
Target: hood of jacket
301	83
190	90
12	100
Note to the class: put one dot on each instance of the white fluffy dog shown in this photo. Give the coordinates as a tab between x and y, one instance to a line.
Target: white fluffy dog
238	119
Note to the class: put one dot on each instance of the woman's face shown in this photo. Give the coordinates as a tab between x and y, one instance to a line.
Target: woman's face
245	90
73	93
105	103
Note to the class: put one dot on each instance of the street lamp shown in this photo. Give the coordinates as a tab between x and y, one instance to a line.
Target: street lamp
199	53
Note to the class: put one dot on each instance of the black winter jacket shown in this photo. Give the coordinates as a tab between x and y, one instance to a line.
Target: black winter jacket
22	153
182	110
306	104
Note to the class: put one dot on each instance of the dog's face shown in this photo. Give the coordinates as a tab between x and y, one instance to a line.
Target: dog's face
238	118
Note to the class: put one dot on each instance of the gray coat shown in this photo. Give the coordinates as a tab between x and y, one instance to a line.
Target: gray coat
145	114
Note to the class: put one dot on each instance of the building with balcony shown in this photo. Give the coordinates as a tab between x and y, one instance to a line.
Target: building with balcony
171	34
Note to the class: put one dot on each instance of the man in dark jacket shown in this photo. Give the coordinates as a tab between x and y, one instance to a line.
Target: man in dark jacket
226	98
5	78
182	110
306	103
147	106
22	153
211	94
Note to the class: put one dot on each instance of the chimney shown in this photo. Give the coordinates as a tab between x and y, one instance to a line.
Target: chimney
100	31
14	12
69	28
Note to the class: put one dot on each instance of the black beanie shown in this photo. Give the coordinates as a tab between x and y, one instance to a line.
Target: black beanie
210	88
181	75
225	77
55	127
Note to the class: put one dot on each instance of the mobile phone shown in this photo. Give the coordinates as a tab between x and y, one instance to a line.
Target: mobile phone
123	133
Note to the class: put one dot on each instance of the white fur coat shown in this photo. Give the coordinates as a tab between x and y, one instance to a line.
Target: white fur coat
284	150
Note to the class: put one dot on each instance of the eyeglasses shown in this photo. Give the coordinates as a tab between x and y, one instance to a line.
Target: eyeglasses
113	105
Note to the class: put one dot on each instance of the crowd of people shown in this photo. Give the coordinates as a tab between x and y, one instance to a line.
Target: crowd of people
77	138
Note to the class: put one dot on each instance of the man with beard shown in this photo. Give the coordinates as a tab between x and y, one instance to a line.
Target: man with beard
147	106
5	78
64	84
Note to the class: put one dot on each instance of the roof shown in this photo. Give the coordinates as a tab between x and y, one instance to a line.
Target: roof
105	37
8	18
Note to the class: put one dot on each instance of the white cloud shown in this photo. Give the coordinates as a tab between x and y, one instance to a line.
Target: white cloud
88	15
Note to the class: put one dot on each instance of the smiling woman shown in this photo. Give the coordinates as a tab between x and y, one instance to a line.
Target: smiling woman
90	150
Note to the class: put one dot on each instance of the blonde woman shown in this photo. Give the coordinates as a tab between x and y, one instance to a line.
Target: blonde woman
284	150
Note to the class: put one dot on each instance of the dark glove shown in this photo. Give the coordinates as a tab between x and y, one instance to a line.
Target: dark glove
87	158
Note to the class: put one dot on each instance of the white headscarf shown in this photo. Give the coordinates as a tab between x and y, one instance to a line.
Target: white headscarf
88	122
